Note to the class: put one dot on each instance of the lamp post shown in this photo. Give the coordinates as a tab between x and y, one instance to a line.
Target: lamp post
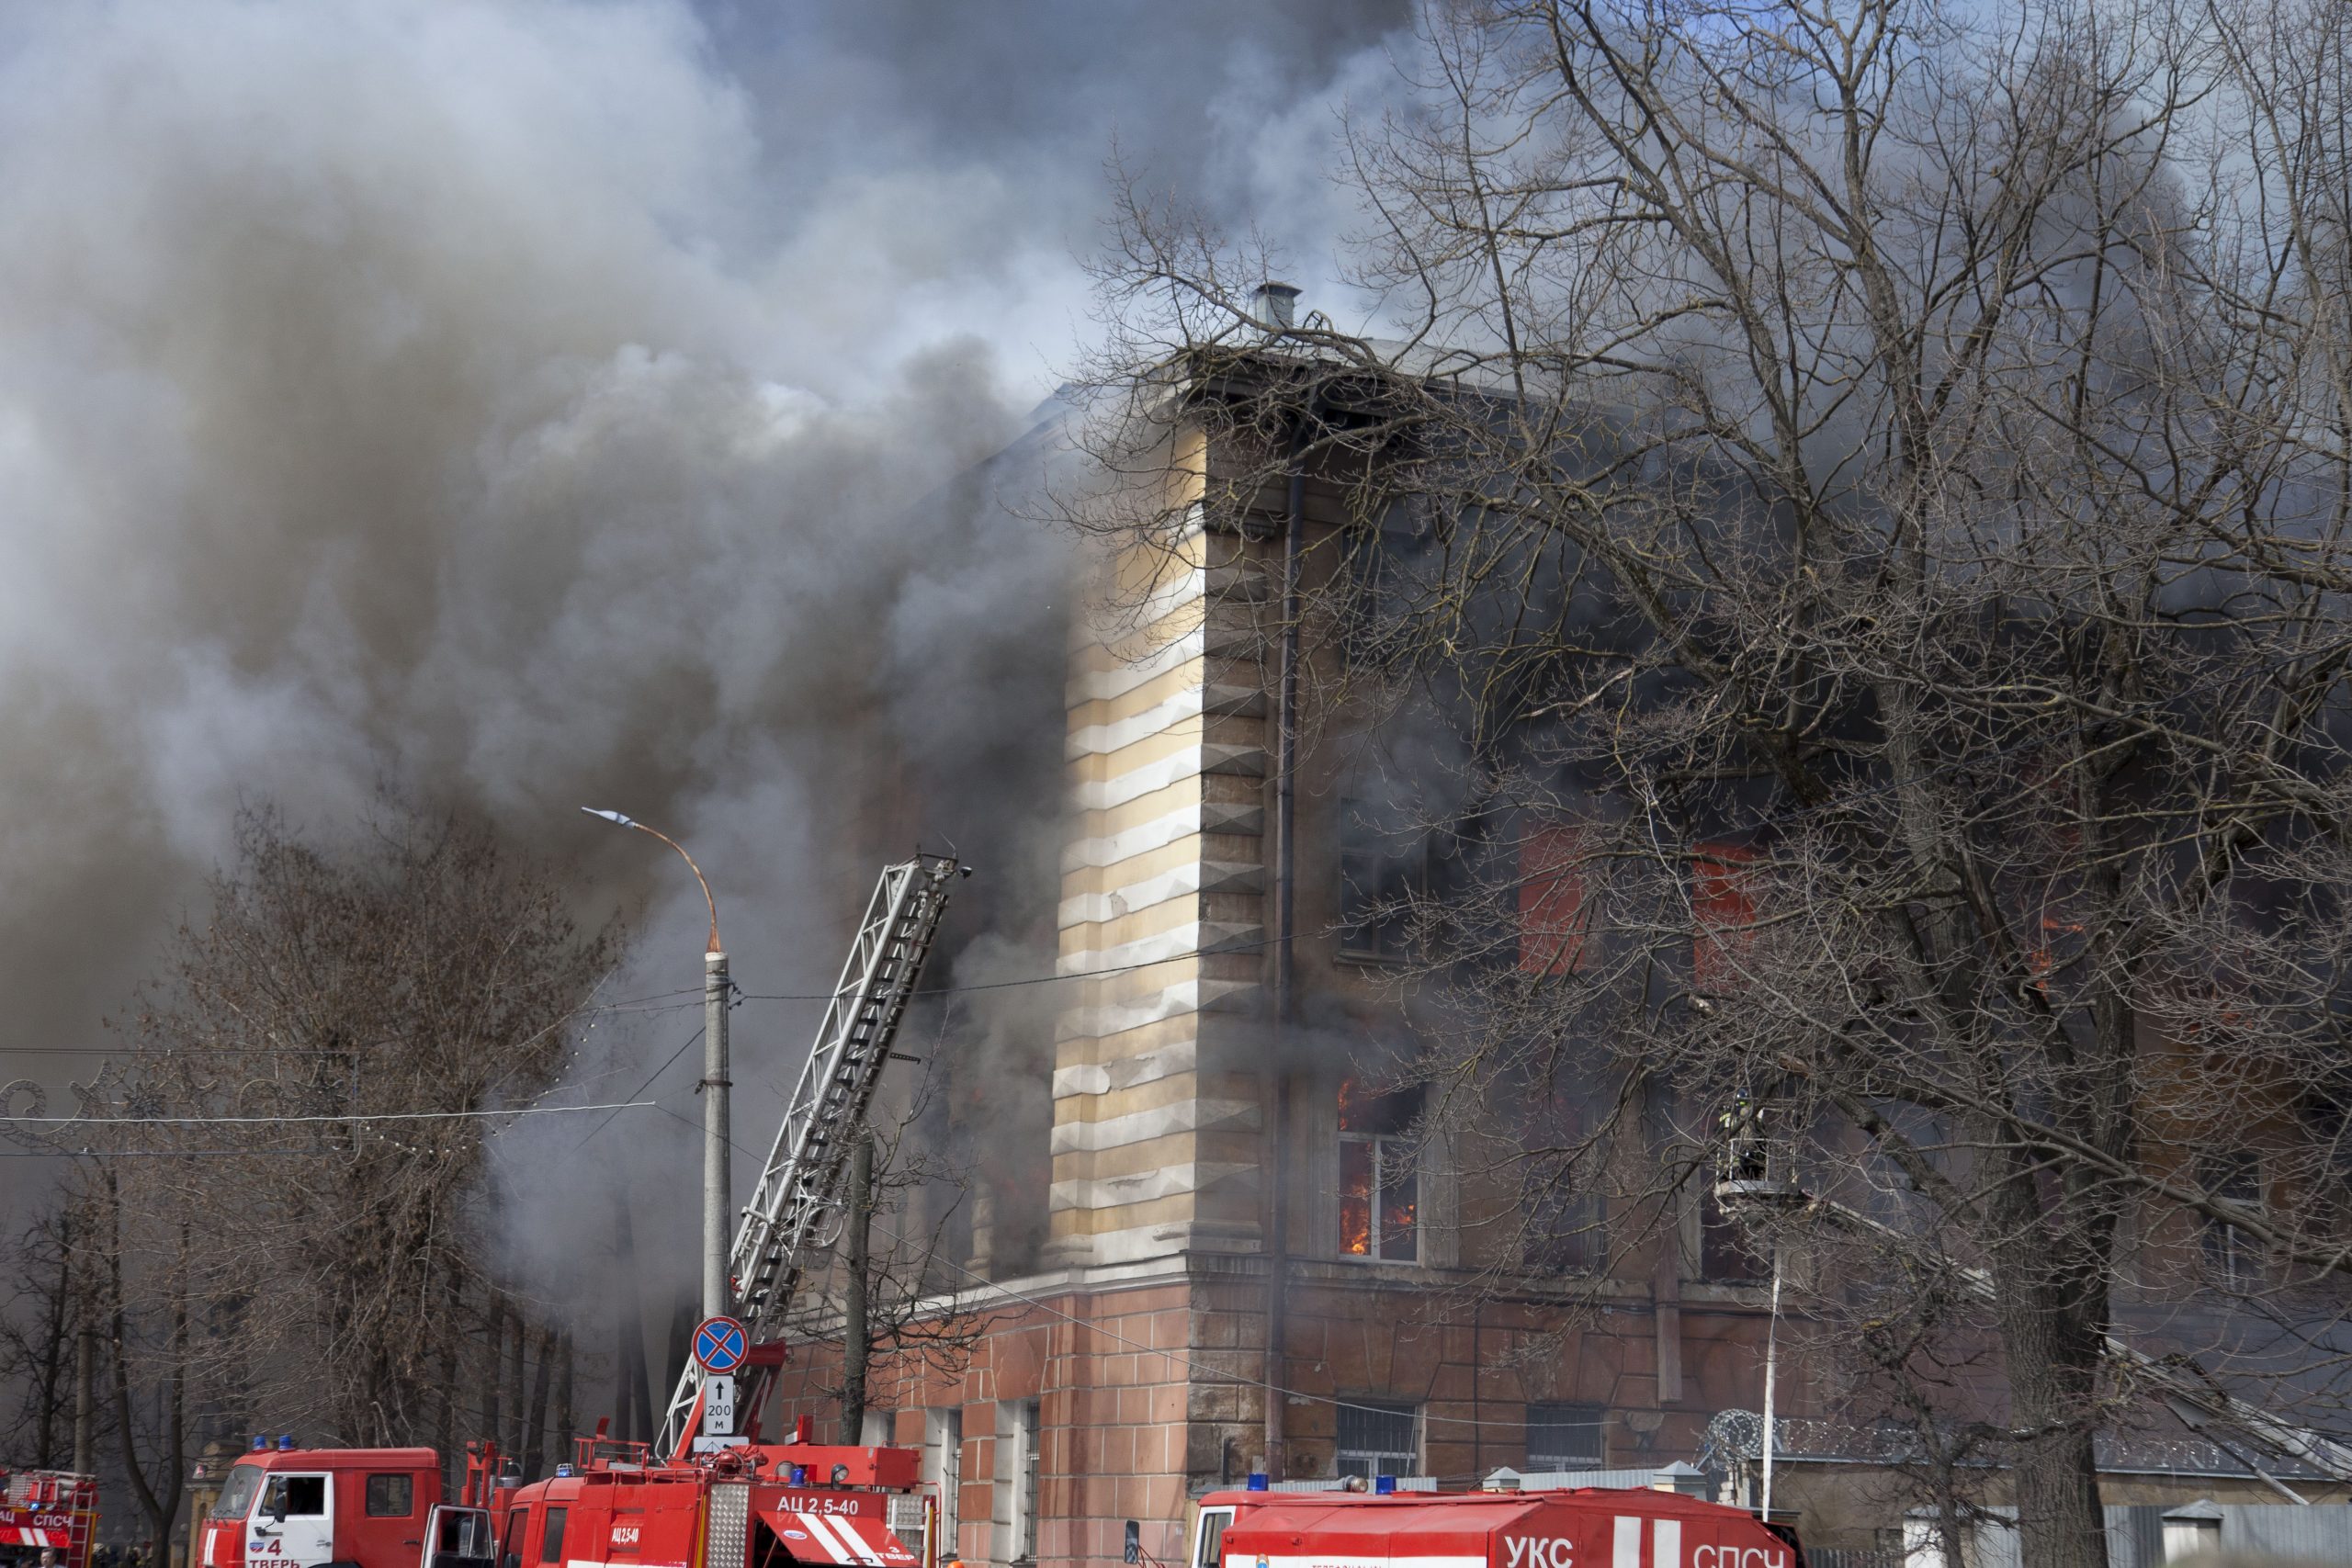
716	1202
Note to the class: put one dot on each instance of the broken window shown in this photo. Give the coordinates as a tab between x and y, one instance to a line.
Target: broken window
1379	1190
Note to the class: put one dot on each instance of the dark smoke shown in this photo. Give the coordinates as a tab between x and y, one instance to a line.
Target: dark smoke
534	405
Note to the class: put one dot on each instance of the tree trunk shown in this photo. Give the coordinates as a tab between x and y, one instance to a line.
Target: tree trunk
510	1355
857	1332
567	1422
535	1423
445	1421
86	1375
493	1384
2050	1308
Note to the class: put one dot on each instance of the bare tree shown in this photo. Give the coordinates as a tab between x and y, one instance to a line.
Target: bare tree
39	1321
1858	496
294	1160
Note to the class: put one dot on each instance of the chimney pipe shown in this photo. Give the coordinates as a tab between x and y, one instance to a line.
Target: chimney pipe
1277	305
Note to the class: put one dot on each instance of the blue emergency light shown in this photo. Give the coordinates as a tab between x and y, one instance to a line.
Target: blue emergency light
1385	1485
800	1475
260	1442
563	1473
286	1442
1257	1480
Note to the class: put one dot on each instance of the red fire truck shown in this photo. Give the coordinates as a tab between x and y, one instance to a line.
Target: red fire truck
1587	1527
47	1508
281	1504
711	1493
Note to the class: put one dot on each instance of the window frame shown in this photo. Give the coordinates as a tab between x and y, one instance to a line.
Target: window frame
1592	1418
1377	1229
1028	1481
406	1485
551	1533
282	1482
1341	1456
518	1529
1388	877
2232	1256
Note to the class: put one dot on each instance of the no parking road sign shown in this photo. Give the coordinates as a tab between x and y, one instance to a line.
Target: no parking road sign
721	1344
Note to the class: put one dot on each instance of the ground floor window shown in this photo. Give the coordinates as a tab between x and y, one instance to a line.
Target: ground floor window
1377	1437
1564	1437
1019	1440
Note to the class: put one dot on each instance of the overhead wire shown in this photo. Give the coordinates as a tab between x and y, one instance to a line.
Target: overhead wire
616	1107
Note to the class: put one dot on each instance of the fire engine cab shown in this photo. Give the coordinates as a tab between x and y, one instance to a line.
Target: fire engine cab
47	1508
302	1507
1587	1527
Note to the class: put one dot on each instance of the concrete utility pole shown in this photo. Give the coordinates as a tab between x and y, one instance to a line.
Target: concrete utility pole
717	1205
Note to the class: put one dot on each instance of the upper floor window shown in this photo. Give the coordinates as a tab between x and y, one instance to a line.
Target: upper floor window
1552	914
1377	1437
1385	566
1722	901
1379	873
2232	1254
1564	1233
1726	1255
1380	1186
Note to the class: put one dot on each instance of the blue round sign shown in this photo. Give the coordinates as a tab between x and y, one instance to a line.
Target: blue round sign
721	1344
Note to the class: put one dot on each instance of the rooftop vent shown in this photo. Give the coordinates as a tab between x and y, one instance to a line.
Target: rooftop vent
1276	305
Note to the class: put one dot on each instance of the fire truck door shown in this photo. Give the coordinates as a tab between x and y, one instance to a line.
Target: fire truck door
457	1537
294	1523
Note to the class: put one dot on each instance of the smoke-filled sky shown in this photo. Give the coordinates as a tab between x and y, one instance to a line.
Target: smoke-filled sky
532	404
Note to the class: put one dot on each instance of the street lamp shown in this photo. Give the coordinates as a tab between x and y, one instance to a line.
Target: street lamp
716	1202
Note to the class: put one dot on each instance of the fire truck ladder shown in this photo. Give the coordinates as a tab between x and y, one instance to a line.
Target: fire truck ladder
801	1184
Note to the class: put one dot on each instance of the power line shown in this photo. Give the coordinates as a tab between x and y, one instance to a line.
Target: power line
1210	951
616	1107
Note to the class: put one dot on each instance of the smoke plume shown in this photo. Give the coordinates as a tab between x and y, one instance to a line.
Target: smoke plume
536	405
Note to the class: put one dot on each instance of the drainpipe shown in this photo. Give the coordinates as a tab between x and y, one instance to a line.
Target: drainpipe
1285	935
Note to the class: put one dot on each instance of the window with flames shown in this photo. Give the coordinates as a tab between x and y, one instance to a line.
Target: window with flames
1380	1186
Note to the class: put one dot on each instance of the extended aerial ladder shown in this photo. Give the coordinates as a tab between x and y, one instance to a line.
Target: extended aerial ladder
1754	1172
801	1184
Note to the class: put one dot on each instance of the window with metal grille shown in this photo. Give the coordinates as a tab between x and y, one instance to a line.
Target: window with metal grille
1565	1437
1377	1437
391	1496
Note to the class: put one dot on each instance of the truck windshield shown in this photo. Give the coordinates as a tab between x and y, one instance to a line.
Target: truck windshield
237	1489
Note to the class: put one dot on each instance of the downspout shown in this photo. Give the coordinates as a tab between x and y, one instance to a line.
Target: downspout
1285	966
